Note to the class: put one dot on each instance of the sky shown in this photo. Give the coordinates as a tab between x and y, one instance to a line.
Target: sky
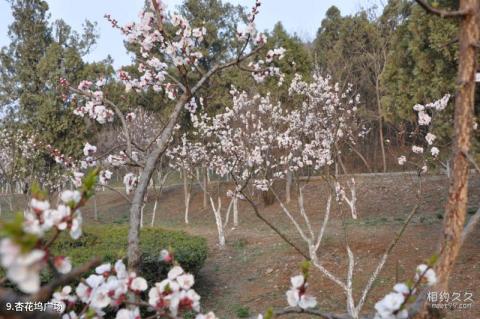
302	17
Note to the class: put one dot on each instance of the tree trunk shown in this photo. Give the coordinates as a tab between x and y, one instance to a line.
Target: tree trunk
456	206
288	187
205	186
268	198
153	213
187	194
364	160
217	211
137	201
235	211
380	124
10	198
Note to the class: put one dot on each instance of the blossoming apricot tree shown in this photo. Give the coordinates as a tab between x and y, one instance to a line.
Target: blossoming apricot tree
169	53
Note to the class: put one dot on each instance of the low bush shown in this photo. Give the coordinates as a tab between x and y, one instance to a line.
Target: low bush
110	244
242	312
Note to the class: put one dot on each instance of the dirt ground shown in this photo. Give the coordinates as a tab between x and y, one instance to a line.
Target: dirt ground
252	272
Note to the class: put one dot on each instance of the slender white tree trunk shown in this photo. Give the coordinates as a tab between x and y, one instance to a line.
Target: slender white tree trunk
205	187
187	193
380	122
235	211
187	206
153	213
217	211
288	187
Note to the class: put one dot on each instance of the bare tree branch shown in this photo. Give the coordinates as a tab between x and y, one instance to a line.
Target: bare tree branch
275	229
116	191
385	256
473	161
312	312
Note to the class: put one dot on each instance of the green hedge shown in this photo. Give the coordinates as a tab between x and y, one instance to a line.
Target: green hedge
110	243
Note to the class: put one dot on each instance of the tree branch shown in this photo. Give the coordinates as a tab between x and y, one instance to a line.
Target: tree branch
275	229
385	256
116	191
117	111
46	292
442	13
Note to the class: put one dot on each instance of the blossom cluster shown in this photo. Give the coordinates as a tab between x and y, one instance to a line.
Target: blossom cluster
426	147
261	68
187	155
112	287
75	168
259	140
130	181
20	155
179	48
94	106
392	306
250	31
23	259
41	218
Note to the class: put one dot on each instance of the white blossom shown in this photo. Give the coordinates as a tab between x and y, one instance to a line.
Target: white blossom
430	138
417	149
296	296
70	197
389	305
89	149
429	275
23	269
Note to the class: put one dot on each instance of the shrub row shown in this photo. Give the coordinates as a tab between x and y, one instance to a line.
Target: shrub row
110	244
